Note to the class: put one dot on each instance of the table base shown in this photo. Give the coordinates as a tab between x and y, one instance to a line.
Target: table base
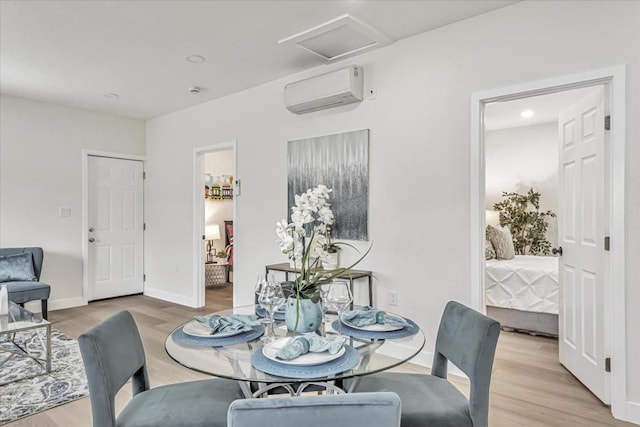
22	350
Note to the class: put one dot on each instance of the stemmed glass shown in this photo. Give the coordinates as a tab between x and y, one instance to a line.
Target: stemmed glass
271	298
262	280
338	298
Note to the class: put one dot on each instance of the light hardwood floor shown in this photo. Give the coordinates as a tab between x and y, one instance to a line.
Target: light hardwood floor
528	388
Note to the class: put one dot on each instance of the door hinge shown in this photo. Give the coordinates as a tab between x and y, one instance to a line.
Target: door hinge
144	175
144	277
607	243
144	226
607	122
607	364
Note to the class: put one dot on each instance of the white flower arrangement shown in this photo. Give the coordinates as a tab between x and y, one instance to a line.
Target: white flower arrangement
311	207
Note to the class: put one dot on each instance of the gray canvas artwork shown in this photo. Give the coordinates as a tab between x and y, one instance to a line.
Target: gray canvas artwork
341	162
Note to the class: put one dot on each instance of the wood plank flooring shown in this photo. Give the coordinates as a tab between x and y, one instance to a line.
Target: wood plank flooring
529	387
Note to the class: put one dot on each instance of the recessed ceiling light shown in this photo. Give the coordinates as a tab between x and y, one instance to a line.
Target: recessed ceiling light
196	59
526	114
111	95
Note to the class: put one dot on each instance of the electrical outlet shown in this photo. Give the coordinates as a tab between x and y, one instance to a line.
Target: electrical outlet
393	298
64	212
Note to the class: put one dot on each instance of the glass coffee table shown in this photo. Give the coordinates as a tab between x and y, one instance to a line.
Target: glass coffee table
13	337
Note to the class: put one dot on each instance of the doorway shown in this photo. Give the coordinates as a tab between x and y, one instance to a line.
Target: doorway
113	219
214	224
613	274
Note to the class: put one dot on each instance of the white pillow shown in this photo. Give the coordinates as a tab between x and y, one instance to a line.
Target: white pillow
500	238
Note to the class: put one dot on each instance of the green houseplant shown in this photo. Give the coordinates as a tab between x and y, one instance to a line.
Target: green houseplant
528	225
312	211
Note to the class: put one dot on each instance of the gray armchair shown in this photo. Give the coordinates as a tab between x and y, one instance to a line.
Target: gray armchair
338	410
466	338
25	289
113	353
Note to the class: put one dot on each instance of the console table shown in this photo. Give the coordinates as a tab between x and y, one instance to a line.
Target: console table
350	275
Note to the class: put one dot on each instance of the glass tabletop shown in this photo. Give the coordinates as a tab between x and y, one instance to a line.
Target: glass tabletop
234	361
20	319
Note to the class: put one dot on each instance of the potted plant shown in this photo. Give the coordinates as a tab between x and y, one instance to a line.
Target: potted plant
528	225
222	255
311	214
332	249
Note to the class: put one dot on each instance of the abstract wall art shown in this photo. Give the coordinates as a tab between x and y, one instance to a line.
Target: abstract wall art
341	162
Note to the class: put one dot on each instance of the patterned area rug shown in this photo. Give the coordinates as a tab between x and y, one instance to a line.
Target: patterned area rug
65	383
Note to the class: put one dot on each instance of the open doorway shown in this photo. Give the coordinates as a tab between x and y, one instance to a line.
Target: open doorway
522	147
218	227
214	225
578	303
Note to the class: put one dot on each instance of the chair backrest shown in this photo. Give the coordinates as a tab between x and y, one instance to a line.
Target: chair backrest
112	353
468	339
37	255
380	409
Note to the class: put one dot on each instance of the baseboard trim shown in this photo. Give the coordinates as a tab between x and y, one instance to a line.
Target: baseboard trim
632	413
56	304
424	358
169	296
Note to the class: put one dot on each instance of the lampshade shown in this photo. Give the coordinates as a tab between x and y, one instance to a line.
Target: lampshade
212	232
492	217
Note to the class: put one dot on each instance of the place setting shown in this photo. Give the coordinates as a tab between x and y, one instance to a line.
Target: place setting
305	356
370	323
217	331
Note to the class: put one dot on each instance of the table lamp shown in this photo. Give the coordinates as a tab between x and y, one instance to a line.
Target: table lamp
211	233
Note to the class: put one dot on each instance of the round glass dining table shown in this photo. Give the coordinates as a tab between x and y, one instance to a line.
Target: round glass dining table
234	360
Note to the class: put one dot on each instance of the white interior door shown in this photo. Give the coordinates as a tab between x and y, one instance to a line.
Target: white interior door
581	234
115	214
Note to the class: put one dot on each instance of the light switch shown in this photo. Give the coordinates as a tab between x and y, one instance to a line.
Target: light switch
65	212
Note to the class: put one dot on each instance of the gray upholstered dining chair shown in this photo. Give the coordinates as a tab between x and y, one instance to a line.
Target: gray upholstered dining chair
466	338
113	353
335	410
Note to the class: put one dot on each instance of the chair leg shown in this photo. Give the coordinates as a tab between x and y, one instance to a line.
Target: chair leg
45	315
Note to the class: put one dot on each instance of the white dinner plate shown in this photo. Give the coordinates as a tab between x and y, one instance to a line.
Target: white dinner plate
376	327
199	329
307	359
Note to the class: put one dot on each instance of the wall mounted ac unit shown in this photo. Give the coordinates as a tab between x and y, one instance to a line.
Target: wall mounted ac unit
333	89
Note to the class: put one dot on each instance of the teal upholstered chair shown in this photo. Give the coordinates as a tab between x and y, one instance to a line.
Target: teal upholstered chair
466	338
337	410
112	353
27	286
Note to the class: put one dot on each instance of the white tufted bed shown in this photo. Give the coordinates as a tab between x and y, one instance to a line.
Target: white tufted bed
522	293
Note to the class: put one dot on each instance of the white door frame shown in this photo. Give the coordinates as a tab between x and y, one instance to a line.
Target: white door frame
198	216
85	210
614	284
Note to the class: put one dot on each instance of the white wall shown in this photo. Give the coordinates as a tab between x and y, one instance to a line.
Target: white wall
419	155
41	171
218	211
517	159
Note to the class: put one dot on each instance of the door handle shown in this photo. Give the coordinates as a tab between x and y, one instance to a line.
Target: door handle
557	251
91	240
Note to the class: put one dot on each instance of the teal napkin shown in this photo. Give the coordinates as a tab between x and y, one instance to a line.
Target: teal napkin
310	342
226	324
370	316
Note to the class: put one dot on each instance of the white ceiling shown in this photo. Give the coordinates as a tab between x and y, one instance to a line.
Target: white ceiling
545	108
73	52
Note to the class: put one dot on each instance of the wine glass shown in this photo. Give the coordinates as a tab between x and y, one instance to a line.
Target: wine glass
338	298
260	282
324	290
271	298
